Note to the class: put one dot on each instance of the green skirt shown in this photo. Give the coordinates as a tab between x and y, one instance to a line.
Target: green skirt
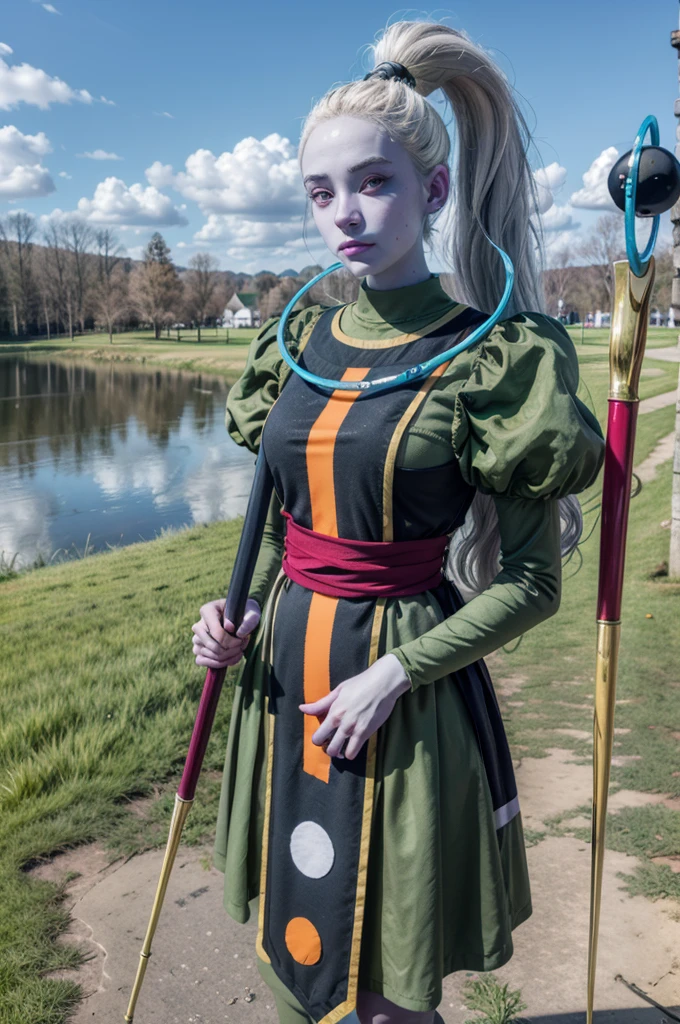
444	889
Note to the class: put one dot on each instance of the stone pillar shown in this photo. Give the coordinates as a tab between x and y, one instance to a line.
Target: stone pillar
675	211
674	553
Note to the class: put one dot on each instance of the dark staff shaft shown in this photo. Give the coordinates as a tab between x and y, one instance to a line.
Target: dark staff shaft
239	586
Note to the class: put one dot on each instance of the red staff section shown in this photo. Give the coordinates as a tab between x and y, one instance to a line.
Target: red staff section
618	469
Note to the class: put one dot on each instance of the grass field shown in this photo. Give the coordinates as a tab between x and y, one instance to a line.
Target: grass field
98	691
218	355
657	337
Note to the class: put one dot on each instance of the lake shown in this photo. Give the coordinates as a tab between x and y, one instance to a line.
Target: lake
112	453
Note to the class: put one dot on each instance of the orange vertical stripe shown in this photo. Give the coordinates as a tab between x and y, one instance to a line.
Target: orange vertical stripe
320	448
317	677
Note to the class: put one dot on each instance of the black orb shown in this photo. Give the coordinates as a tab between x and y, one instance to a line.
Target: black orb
658	185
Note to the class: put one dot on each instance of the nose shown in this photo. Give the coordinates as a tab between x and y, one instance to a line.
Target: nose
347	213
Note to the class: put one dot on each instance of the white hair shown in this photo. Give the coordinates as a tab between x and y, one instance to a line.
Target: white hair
495	195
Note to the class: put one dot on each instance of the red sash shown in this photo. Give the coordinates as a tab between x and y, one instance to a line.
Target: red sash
360	568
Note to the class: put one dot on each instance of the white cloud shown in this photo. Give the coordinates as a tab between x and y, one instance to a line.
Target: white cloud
6	50
22	83
595	195
164	113
249	234
22	176
109	103
259	180
137	206
64	174
25	519
99	154
559	218
50	8
548	181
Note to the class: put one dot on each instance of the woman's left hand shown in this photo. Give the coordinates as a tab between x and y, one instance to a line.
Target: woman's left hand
357	707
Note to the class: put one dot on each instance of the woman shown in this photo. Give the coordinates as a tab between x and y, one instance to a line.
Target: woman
368	795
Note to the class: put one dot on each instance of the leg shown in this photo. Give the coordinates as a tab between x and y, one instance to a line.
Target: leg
373	1008
289	1009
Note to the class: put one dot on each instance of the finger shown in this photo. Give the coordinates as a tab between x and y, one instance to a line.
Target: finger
208	662
325	730
249	623
338	741
218	653
319	706
209	642
212	616
354	745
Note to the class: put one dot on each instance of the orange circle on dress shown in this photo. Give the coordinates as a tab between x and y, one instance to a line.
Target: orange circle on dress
303	941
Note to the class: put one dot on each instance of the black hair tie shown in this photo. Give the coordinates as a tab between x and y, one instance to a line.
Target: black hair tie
392	69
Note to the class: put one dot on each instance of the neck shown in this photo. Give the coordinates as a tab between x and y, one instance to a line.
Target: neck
410	269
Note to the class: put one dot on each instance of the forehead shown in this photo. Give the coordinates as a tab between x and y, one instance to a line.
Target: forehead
334	146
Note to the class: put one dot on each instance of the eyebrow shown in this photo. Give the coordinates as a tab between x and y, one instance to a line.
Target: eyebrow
355	167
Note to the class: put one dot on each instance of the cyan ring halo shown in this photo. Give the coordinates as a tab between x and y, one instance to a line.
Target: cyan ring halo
639	263
414	373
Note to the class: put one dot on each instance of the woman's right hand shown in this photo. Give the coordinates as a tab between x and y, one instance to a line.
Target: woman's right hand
217	647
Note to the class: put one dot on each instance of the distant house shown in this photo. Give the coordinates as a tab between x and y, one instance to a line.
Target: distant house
241	310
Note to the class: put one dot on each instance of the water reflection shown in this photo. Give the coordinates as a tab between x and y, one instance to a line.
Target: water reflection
111	452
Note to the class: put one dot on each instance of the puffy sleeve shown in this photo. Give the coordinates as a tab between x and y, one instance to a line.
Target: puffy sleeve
252	396
519	429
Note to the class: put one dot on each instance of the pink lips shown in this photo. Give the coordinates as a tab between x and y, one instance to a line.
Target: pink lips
354	248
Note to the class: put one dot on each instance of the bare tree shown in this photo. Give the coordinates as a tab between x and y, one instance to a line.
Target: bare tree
16	237
603	247
60	282
78	240
557	281
661	296
200	288
109	293
155	288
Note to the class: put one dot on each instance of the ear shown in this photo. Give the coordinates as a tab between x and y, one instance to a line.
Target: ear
437	186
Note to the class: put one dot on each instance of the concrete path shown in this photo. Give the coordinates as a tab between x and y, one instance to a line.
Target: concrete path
663	451
667	355
203	967
657	402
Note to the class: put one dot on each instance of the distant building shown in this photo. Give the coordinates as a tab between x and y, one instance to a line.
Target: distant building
241	310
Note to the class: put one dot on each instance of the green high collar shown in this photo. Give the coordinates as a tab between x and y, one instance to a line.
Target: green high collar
379	314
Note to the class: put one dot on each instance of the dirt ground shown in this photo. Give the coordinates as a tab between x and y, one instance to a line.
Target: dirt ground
203	967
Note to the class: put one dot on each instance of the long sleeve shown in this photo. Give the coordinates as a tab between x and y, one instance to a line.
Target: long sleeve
525	591
271	553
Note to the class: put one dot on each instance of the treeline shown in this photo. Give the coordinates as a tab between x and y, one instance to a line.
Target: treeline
75	279
71	279
583	277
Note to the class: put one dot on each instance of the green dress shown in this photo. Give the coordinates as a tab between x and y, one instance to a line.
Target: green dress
507	413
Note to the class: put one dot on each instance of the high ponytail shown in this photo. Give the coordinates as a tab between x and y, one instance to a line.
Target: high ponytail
493	187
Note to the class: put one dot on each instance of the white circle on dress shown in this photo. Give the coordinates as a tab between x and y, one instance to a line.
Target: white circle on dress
311	849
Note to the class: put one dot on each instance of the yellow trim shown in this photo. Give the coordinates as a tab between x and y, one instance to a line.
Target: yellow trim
366	819
391	457
259	948
399	339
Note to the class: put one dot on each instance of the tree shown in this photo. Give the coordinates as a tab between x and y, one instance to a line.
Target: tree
557	281
661	296
78	238
17	250
60	284
603	247
155	288
110	294
200	288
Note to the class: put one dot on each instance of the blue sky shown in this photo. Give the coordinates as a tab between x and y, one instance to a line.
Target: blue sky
159	83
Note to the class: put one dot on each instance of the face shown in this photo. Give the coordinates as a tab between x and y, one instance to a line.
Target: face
369	201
